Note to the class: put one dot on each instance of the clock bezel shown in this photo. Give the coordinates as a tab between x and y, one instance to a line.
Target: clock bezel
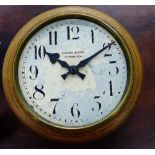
25	104
83	134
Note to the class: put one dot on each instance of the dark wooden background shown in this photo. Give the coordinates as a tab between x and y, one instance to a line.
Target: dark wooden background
138	131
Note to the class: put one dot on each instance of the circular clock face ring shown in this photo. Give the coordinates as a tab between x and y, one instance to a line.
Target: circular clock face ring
80	89
73	72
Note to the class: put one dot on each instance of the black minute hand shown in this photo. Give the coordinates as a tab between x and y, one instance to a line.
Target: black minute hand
85	61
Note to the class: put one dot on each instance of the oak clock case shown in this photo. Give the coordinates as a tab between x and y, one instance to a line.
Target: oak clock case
72	74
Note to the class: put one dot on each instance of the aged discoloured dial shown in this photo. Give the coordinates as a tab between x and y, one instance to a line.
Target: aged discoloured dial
59	92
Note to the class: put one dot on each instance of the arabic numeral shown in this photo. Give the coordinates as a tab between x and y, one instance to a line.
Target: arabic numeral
53	38
74	110
110	86
39	52
72	32
97	105
39	94
114	71
55	100
92	36
34	72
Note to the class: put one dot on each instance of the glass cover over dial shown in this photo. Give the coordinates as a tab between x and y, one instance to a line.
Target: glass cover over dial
72	73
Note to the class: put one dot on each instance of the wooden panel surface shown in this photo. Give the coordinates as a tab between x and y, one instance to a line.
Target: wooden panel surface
138	131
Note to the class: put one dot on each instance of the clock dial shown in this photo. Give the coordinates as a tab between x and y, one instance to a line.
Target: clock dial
72	73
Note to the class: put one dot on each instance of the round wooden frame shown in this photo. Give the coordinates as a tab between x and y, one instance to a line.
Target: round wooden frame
103	127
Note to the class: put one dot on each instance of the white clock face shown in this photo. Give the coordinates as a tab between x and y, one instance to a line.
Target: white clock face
65	81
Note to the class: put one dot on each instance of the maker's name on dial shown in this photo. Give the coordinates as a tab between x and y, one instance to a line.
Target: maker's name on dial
73	54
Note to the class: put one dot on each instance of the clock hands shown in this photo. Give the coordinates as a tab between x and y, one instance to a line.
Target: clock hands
85	61
73	70
54	57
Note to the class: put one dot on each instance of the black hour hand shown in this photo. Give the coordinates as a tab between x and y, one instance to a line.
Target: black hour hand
53	57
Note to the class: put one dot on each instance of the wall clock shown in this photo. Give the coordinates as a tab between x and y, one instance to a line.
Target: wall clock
72	74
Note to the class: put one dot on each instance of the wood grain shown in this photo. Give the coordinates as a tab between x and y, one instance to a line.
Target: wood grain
138	131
